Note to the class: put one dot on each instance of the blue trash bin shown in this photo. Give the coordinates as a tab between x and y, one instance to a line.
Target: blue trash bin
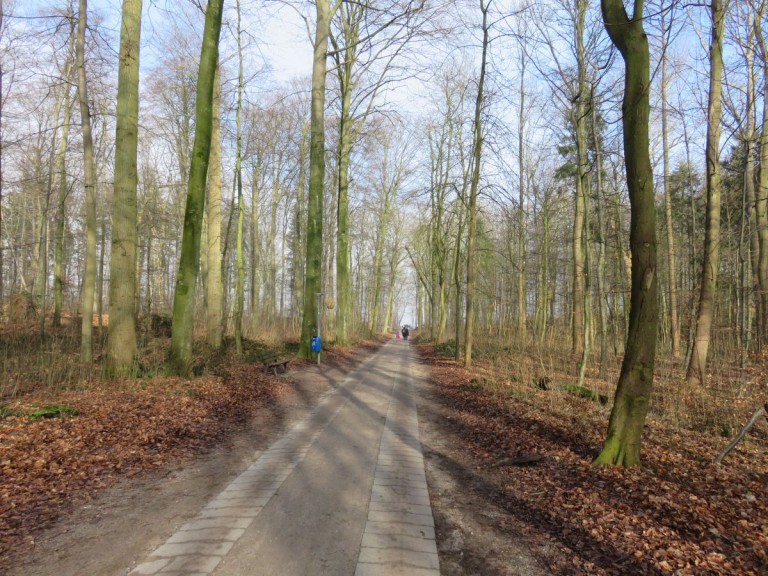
315	345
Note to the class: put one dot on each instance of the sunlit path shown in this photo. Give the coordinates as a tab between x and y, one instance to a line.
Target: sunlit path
343	492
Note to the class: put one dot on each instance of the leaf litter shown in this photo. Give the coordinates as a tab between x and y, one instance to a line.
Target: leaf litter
677	514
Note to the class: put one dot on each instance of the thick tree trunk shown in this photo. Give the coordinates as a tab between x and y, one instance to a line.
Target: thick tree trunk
698	363
633	391
121	342
314	259
184	293
89	183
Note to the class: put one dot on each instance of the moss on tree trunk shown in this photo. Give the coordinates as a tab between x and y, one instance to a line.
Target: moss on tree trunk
184	294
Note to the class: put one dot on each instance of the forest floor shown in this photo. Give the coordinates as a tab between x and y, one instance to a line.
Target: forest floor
146	450
678	513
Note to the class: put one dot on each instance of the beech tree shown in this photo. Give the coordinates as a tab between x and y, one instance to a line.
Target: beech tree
121	342
704	318
477	128
633	390
314	253
89	183
184	294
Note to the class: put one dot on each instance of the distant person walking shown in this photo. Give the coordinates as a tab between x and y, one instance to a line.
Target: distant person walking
405	332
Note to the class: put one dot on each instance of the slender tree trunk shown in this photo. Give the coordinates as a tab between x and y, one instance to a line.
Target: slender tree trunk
2	100
89	183
748	242
698	363
343	284
215	298
255	248
521	311
580	268
313	281
100	284
671	263
633	391
761	202
184	294
61	169
457	282
240	283
121	342
601	311
474	185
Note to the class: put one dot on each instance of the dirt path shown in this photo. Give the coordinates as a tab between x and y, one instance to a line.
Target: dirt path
475	536
137	514
331	510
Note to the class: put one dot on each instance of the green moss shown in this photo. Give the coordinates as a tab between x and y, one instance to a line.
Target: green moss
53	411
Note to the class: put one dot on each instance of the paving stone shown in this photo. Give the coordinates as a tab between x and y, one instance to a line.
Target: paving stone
194	548
399	556
390	570
403	507
401	482
416	544
206	534
416	499
150	567
231	512
192	564
203	523
373	527
236	503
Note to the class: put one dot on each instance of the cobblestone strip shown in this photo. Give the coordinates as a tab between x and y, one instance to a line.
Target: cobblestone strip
399	537
199	546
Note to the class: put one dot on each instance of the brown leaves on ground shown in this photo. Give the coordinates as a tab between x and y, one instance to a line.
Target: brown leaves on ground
122	428
677	514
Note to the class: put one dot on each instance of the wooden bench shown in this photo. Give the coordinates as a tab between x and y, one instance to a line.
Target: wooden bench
272	361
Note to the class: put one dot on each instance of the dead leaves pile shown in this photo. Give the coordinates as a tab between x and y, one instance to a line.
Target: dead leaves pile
677	514
122	428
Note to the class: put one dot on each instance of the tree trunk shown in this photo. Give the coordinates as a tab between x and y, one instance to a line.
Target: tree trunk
601	311
671	264
633	391
184	294
748	241
215	298
698	363
240	283
474	185
2	71
121	342
761	203
89	183
61	169
521	309
343	284
314	260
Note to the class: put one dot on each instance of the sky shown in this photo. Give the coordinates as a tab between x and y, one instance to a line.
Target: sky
278	30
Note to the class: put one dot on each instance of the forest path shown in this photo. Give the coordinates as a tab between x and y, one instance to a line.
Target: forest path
343	492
